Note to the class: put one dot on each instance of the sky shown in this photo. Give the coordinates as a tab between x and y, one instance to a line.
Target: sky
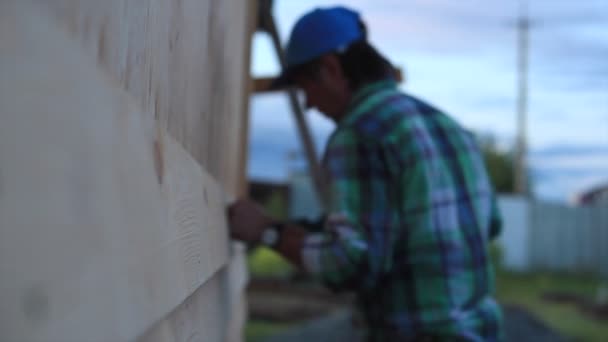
461	56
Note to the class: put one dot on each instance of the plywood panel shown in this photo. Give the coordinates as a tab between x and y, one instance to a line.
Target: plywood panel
106	223
215	312
186	62
202	317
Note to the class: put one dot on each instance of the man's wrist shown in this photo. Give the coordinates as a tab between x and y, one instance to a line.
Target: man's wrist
271	234
291	242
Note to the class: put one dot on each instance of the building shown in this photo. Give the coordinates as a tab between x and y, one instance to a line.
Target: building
597	195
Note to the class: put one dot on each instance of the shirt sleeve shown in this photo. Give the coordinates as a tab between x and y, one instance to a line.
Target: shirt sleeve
350	253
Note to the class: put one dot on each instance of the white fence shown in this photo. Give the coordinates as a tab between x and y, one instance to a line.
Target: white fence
569	239
555	237
514	239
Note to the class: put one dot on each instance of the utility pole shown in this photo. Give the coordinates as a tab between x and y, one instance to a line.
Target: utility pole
523	29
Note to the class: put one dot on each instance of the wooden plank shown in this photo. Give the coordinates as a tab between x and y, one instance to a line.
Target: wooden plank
237	279
92	246
202	317
183	61
215	312
197	320
252	20
262	84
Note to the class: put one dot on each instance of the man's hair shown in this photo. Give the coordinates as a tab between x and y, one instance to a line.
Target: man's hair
361	62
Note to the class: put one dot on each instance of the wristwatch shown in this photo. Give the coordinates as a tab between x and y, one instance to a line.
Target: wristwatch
272	234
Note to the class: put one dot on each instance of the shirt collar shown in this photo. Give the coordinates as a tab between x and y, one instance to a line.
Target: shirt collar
361	95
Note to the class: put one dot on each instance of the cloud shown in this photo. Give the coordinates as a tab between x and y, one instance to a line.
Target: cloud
461	55
467	27
272	112
274	136
567	12
561	171
571	60
566	150
422	25
563	186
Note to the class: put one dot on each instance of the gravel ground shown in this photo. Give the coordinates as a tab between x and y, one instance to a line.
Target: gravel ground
326	316
520	327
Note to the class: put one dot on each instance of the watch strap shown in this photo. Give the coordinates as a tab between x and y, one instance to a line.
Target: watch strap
272	234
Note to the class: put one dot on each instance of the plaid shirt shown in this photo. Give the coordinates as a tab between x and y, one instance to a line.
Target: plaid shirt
411	214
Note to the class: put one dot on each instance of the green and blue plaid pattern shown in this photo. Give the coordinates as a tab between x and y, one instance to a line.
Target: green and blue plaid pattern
412	212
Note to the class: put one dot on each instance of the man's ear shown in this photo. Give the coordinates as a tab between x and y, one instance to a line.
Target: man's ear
330	64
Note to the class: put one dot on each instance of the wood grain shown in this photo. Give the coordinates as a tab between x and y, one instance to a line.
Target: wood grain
108	223
215	312
185	62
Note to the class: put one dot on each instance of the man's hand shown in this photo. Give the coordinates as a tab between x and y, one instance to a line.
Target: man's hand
247	220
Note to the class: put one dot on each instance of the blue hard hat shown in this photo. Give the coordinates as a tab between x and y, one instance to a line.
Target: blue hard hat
319	32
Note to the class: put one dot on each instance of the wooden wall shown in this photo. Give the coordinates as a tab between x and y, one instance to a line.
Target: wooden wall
122	135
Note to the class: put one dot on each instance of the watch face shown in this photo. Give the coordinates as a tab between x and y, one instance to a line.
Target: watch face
270	237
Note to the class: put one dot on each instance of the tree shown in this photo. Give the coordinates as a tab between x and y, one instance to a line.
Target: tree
499	164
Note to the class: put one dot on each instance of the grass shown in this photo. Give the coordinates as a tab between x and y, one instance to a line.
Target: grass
257	331
523	290
526	290
264	262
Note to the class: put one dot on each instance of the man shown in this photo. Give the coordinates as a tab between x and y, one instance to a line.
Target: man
411	207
